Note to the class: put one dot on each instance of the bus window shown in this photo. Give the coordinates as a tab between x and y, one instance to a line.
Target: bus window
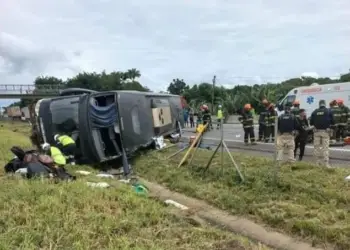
65	115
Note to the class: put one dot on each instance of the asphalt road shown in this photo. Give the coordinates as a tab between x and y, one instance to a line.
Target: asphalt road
233	136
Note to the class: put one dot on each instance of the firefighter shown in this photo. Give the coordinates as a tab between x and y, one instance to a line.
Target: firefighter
296	108
247	121
219	116
199	116
270	123
322	120
207	117
55	154
337	116
302	134
262	120
67	145
287	125
345	119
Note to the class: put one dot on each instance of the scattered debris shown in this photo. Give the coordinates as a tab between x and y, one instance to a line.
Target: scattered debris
176	204
98	184
159	142
105	175
82	172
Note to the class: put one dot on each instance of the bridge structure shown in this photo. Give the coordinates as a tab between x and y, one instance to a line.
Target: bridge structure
29	91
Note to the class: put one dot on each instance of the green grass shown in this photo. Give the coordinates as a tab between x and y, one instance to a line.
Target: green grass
308	201
37	214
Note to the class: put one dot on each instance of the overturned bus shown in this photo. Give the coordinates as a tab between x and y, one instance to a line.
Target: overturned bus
104	124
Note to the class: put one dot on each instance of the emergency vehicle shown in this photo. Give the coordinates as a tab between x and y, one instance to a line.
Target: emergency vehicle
309	96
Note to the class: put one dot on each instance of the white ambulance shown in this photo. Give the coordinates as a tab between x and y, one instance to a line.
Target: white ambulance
309	96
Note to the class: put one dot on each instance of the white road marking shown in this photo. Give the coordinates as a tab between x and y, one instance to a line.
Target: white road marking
331	149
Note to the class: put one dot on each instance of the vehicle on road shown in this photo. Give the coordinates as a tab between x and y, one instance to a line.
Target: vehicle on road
309	96
103	124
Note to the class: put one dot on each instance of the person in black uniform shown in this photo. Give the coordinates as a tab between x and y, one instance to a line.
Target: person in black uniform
302	134
262	121
287	125
322	119
247	121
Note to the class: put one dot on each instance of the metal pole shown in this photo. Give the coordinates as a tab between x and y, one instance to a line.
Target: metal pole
212	95
222	146
277	166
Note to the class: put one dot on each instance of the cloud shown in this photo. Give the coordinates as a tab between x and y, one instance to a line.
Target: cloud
241	42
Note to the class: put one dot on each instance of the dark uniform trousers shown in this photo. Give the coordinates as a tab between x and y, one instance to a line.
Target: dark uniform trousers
249	133
270	132
300	142
262	128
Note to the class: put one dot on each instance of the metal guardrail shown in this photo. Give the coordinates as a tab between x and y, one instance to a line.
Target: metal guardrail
29	91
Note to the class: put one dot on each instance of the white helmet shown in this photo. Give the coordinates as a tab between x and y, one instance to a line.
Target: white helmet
45	146
220	106
56	137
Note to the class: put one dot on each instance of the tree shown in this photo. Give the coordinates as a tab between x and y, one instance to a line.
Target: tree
177	87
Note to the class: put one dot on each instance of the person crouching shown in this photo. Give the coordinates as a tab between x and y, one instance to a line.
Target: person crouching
55	154
67	145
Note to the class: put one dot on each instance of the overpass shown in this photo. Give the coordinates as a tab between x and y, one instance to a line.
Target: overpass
29	91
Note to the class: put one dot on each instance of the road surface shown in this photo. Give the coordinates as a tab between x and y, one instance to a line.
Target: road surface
233	135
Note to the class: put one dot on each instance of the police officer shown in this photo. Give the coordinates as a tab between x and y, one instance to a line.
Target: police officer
219	116
262	120
55	154
247	121
287	125
67	145
322	120
337	116
270	123
345	119
302	134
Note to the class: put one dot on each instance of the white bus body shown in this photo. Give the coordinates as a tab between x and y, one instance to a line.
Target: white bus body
309	96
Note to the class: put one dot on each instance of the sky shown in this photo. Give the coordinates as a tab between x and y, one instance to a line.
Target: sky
241	42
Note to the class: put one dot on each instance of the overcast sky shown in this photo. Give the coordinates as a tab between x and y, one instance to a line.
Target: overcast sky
239	41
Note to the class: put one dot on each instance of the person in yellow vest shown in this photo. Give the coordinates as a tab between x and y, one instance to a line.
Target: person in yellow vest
55	154
219	116
67	145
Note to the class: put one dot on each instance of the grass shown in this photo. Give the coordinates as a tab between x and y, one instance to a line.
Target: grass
308	201
36	214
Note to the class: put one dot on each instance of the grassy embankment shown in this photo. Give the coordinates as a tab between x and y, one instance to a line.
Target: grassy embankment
308	202
42	215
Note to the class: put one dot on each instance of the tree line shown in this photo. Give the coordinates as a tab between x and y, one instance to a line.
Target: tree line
116	80
234	99
195	94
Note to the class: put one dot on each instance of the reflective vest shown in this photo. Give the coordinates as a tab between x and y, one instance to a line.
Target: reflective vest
337	114
220	115
65	140
57	156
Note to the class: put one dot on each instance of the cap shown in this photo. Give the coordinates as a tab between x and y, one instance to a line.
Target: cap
322	103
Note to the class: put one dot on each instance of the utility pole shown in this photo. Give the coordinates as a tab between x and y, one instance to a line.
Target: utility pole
212	95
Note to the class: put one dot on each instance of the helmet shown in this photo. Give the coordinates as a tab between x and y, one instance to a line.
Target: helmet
296	102
333	103
45	146
220	106
56	137
340	101
247	106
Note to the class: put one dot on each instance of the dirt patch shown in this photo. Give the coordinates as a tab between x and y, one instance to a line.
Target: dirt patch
229	222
